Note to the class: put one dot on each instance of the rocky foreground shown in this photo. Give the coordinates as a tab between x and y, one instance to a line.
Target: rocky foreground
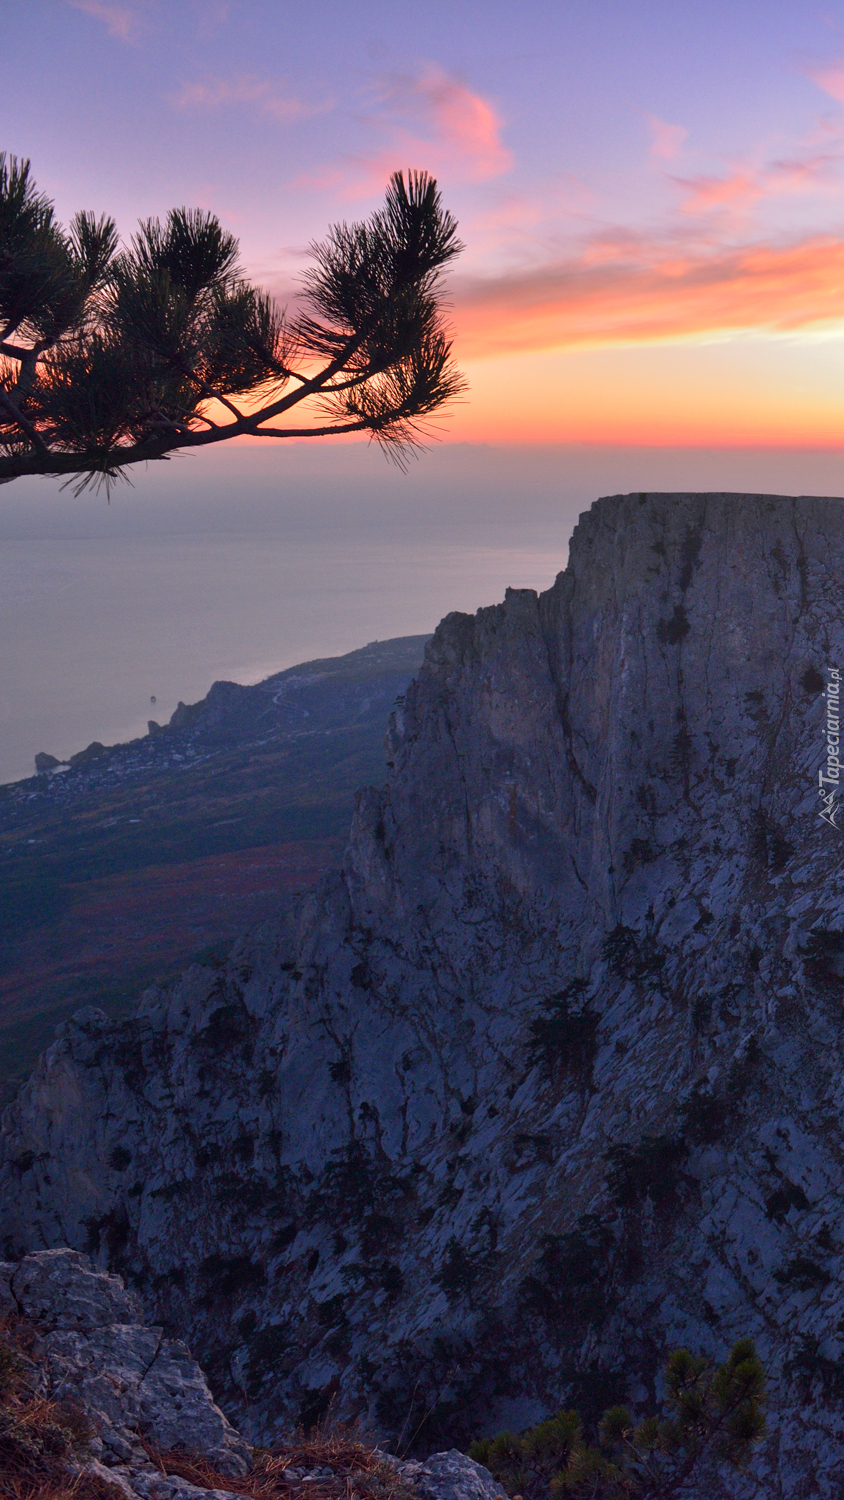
142	1411
548	1080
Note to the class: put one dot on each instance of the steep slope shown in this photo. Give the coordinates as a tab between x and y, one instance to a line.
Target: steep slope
123	867
549	1080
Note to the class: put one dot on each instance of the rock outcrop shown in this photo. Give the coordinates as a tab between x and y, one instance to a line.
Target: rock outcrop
548	1080
145	1402
94	1349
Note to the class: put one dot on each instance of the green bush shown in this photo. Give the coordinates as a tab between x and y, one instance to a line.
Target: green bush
566	1283
229	1031
653	1170
715	1415
789	1196
823	956
633	955
460	1270
803	1274
358	1192
808	1365
230	1276
704	1116
531	1463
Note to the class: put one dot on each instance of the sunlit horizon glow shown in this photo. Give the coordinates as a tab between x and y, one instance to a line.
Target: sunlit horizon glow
652	202
661	297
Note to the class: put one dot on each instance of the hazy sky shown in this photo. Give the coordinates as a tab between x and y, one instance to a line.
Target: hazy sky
650	193
651	198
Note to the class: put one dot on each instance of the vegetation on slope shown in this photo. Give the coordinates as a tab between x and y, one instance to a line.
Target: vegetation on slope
715	1417
141	858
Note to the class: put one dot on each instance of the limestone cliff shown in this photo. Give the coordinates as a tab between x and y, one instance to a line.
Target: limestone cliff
548	1080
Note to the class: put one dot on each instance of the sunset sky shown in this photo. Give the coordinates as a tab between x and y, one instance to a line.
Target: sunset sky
650	193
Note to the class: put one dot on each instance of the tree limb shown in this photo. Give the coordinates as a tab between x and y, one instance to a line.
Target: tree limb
26	427
127	347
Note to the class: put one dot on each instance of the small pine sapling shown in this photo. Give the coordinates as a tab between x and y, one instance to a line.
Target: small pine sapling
715	1418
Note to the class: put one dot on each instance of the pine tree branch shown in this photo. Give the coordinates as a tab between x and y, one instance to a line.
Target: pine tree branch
124	347
26	427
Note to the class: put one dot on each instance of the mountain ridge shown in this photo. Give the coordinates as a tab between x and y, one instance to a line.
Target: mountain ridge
122	868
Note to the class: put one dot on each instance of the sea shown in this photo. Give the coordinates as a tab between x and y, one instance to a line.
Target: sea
239	562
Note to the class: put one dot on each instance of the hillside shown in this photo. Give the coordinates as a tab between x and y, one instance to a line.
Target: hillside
139	857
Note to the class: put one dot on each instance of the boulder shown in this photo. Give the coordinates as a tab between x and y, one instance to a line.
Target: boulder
45	762
61	1289
452	1476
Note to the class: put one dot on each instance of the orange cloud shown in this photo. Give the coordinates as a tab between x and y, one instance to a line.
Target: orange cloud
463	121
655	297
216	93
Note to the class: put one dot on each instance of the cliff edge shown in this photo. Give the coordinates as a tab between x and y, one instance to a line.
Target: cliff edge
548	1080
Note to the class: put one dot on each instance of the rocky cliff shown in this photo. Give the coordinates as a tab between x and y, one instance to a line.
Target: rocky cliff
88	1345
548	1080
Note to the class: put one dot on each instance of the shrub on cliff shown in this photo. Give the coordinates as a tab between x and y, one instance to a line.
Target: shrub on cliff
715	1416
562	1038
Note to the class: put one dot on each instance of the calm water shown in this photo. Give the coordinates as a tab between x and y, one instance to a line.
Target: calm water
237	564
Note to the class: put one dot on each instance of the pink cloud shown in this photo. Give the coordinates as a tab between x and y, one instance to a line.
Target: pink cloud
666	139
361	176
432	121
121	20
259	93
464	122
830	79
437	121
519	215
324	180
794	174
738	190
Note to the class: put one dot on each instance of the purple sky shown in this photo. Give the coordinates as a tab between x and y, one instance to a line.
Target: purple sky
618	170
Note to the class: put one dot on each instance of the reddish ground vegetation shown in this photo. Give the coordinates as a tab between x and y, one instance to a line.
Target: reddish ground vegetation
123	932
358	1471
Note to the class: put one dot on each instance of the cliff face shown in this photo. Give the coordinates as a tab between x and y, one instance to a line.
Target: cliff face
549	1080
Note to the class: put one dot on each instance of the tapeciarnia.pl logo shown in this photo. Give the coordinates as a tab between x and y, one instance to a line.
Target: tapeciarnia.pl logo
829	774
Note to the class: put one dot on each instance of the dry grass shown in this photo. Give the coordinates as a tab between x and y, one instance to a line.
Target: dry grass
71	1487
358	1471
39	1438
41	1442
